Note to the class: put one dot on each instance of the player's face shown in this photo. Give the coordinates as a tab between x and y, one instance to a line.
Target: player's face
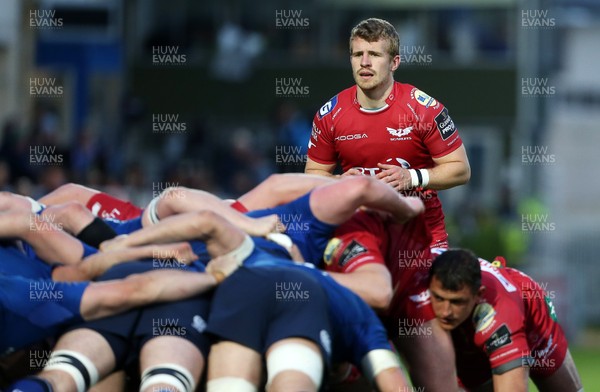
451	308
372	65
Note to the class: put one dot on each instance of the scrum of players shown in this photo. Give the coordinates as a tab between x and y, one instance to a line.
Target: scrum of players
305	283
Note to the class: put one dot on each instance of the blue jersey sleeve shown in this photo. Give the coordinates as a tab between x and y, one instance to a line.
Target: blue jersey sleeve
306	231
124	227
88	250
35	309
23	263
30	253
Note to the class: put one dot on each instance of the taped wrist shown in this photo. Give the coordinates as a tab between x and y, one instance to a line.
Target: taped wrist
96	232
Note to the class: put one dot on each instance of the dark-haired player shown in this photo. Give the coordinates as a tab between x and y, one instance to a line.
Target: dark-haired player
503	326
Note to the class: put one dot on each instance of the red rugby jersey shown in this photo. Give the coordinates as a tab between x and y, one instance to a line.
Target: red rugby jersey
402	248
410	130
513	325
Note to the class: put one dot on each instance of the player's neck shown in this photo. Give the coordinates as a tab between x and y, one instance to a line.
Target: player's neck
374	98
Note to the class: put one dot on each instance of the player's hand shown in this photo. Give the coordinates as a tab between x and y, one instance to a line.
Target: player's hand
116	243
352	172
295	254
397	177
222	266
184	253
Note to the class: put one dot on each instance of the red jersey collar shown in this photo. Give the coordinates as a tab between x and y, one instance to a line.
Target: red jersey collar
388	101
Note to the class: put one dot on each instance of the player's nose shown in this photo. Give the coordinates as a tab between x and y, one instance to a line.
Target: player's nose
446	310
365	60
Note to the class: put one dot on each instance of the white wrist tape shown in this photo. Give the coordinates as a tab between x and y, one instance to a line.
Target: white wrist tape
242	252
36	207
152	215
419	177
377	361
414	179
281	239
425	174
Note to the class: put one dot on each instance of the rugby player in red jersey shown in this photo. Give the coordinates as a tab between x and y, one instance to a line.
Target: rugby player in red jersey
387	264
503	326
387	129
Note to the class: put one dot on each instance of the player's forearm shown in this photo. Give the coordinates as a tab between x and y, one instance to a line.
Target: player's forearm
313	167
98	263
181	227
371	286
448	175
319	172
72	217
171	285
48	240
180	251
382	197
182	200
282	188
220	235
102	299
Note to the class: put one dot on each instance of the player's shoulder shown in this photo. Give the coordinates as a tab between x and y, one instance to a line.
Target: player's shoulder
418	100
336	103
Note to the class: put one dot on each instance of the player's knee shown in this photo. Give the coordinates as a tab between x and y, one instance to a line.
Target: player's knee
79	367
31	384
377	361
226	384
169	376
295	357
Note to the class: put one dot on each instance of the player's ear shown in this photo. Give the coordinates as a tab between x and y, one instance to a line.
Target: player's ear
481	291
395	63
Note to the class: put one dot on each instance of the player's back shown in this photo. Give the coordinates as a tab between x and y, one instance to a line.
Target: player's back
540	314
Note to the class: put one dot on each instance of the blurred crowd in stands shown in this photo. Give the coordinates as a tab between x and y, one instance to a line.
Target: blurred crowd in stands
37	160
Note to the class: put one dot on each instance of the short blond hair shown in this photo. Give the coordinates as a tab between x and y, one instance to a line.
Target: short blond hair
374	29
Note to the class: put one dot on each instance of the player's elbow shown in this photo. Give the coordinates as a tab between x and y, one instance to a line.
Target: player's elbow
465	174
358	188
173	193
380	296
